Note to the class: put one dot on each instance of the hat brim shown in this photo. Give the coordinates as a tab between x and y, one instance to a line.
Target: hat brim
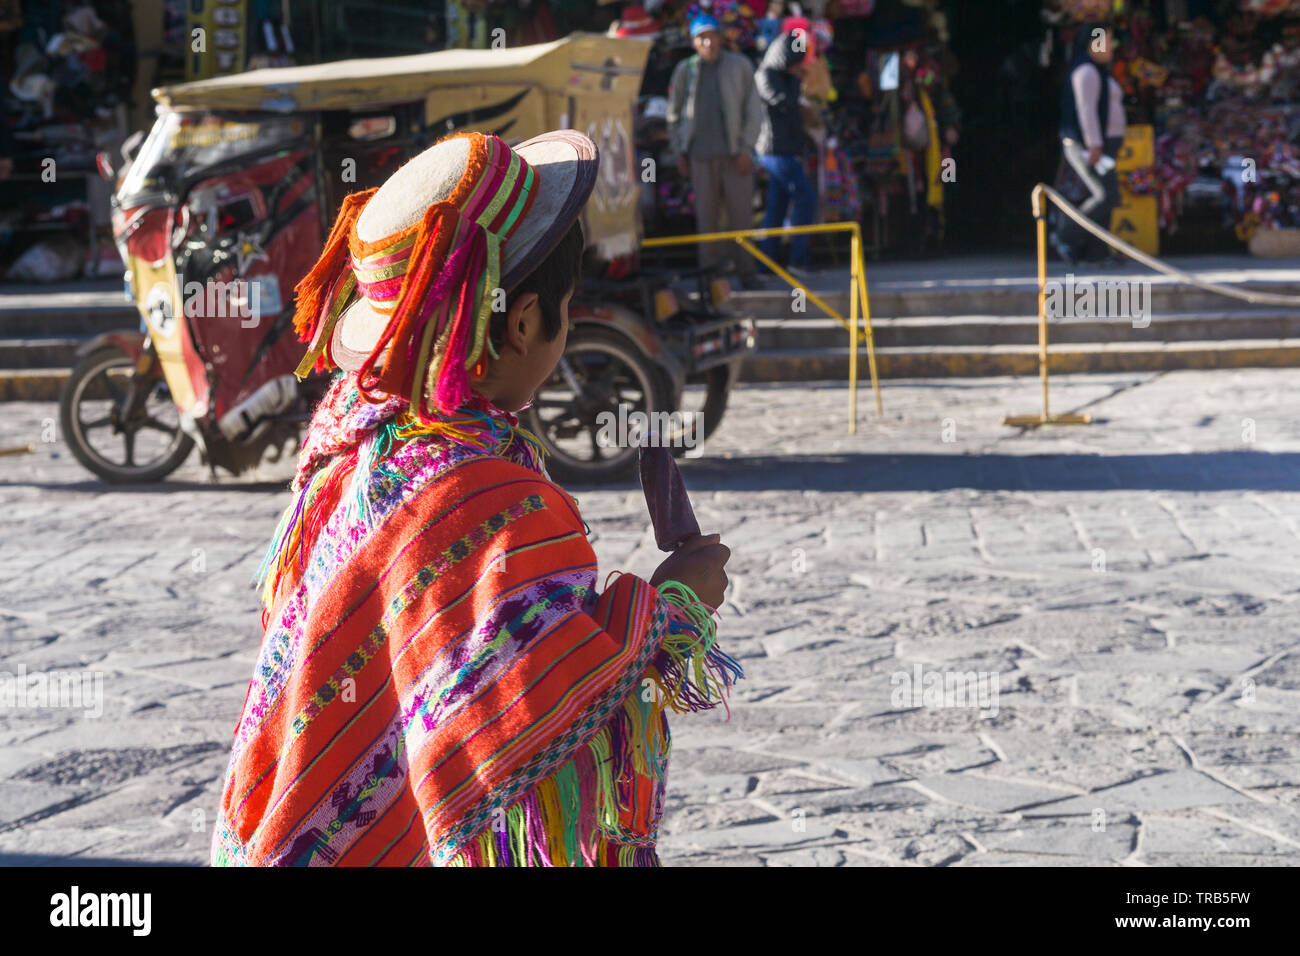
565	163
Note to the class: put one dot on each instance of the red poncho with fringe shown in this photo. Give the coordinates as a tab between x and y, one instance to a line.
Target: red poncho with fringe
440	682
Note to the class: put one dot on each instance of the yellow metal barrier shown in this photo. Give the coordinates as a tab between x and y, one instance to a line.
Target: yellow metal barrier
857	290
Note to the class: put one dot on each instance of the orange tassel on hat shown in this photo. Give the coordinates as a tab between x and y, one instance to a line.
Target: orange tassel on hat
434	234
312	288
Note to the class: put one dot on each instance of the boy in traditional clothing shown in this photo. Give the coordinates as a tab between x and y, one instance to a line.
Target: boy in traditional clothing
440	682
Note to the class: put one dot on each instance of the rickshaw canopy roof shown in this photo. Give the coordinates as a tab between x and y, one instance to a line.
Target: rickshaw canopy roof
353	84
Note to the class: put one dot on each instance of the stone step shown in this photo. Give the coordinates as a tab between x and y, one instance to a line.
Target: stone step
823	364
79	313
37	353
69	323
32	385
832	364
896	291
83	308
807	332
803	333
1015	297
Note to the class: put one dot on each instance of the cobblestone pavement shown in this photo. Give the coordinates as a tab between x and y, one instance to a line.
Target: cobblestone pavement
1130	586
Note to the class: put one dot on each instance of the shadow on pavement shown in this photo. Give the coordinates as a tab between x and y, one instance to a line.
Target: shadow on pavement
40	859
156	487
1198	471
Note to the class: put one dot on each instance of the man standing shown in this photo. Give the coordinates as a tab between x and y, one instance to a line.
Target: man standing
713	119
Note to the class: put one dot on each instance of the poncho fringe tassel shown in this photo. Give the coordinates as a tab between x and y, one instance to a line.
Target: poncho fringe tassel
547	827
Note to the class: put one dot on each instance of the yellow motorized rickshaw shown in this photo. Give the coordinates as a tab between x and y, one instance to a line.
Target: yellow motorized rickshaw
226	205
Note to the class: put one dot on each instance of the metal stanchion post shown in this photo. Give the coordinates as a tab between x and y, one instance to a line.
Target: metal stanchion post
1039	201
853	337
866	317
1040	221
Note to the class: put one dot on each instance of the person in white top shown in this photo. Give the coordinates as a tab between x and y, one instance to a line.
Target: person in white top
1092	132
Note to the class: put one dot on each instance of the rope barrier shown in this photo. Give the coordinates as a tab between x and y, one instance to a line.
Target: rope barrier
1105	235
1041	191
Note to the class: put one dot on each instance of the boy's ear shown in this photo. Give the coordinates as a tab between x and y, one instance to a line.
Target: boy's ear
522	314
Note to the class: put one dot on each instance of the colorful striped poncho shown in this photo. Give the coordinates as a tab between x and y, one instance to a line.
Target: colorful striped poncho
440	683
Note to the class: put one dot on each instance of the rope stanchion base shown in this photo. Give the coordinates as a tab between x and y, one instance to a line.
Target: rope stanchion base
1032	421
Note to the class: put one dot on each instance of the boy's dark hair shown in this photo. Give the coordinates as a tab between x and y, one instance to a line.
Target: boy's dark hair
558	273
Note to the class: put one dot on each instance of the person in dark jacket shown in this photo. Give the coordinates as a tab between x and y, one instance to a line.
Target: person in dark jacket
1092	132
780	145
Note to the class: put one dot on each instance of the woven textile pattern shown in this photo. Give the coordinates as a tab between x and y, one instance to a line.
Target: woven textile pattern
445	685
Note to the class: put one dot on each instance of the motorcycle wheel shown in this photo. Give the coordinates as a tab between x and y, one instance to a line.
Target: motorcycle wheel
93	403
599	371
715	392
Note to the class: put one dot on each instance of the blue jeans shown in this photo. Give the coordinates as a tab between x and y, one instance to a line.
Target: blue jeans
787	183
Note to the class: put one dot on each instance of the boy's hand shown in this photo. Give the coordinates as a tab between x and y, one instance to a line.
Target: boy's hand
698	564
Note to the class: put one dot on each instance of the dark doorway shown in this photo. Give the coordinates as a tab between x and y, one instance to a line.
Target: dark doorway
1009	117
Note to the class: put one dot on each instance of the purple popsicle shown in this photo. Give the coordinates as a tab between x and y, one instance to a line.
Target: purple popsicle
665	496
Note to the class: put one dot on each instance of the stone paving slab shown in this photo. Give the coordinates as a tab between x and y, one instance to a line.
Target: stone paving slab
1130	585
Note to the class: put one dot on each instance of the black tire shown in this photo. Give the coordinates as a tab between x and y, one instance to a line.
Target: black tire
717	389
99	378
611	370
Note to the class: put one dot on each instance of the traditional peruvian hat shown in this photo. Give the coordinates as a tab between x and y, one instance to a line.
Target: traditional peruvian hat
404	289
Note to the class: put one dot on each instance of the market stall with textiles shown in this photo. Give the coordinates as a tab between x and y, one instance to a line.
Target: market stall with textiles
67	70
1218	82
874	153
77	77
895	118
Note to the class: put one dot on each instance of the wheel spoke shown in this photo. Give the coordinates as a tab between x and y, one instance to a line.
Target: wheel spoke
97	423
596	453
607	375
113	390
128	439
565	375
150	422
